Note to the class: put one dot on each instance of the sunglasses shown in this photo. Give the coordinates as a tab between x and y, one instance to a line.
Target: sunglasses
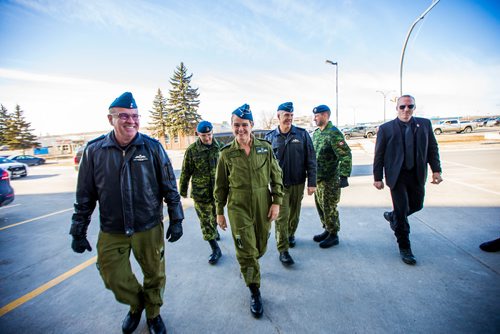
403	106
125	117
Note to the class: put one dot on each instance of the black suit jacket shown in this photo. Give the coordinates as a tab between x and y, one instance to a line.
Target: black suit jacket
389	151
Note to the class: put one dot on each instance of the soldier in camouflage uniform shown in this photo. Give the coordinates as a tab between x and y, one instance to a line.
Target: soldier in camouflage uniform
248	180
334	164
200	161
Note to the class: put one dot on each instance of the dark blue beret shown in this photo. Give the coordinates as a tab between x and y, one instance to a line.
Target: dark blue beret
204	127
287	106
244	112
320	108
126	100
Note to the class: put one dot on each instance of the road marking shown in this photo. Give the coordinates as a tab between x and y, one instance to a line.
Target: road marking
36	218
468	166
473	186
9	206
27	297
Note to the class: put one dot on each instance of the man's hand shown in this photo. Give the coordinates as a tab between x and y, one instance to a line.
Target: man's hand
221	221
343	182
379	185
311	190
436	178
174	231
274	211
80	244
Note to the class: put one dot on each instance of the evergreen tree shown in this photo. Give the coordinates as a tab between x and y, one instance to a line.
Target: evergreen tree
158	117
4	120
182	106
19	134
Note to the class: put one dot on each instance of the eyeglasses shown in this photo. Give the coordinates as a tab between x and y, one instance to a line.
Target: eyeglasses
403	106
125	117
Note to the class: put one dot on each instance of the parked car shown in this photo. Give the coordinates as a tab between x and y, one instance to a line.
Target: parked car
78	156
14	168
360	131
6	190
493	121
480	121
27	159
453	125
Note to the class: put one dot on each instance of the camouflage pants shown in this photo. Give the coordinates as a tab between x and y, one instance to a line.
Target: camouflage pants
113	262
326	197
207	217
289	215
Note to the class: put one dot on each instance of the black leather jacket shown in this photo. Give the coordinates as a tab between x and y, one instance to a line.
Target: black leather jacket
129	185
295	153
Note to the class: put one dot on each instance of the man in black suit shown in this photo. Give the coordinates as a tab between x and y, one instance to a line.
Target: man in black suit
403	149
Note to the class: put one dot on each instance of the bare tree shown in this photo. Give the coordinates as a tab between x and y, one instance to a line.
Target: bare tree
266	119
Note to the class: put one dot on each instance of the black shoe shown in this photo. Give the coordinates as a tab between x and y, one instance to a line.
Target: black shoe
255	301
321	237
131	322
156	326
331	240
389	217
286	259
407	256
291	241
491	246
216	252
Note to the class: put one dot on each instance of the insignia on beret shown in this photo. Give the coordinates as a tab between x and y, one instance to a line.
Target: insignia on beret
287	106
321	108
126	100
244	112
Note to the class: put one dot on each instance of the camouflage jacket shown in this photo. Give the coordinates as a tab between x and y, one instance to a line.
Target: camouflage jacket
333	155
199	165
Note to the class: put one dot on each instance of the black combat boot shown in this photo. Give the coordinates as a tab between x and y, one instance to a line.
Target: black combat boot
321	237
216	252
156	326
291	241
131	322
331	240
255	301
286	259
407	256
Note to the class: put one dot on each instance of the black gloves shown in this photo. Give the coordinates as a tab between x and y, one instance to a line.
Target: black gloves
80	244
343	182
79	232
174	231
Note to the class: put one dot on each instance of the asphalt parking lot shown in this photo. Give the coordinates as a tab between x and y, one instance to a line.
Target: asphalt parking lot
360	286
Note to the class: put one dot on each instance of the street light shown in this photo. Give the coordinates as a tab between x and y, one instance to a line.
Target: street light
336	90
406	42
384	93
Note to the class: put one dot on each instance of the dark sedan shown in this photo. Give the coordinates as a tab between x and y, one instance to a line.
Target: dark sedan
27	159
6	191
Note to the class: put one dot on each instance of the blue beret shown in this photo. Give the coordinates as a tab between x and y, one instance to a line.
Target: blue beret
320	108
287	106
126	100
244	112
204	127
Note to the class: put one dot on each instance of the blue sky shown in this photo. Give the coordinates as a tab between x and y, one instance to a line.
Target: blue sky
64	61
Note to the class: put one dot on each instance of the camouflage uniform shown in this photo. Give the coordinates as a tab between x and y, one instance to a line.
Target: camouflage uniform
200	162
334	159
243	184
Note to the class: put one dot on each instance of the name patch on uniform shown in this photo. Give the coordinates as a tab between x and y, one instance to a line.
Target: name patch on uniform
140	157
261	150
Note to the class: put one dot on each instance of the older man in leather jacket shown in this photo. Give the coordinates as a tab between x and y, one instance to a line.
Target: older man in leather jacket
129	174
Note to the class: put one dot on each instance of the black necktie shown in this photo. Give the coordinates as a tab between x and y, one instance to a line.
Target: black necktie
409	151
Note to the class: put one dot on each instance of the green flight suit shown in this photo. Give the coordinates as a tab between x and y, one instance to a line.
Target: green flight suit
334	159
200	162
242	182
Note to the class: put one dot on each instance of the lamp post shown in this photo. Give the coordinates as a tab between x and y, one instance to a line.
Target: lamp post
336	90
434	2
384	93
